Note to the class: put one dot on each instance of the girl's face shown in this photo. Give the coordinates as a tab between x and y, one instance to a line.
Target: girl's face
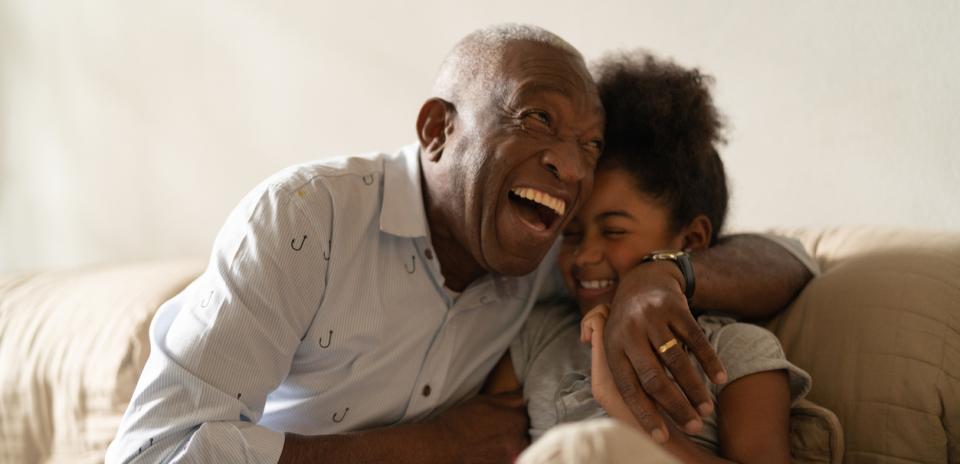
614	230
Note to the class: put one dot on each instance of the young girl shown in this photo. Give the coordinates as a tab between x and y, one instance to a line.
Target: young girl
660	185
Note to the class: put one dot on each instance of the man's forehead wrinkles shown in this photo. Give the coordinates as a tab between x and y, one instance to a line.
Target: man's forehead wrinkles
534	84
539	87
550	69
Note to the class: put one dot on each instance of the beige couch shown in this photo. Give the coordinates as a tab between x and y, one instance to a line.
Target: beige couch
879	331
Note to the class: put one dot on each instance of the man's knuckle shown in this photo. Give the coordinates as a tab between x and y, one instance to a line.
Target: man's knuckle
628	390
678	409
653	381
698	339
612	340
646	418
674	357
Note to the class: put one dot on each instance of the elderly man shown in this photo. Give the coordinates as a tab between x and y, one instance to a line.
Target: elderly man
353	307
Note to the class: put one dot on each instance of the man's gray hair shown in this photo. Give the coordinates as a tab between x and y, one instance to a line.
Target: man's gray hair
476	58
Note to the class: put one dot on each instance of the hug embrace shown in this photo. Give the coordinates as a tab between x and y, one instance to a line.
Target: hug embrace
548	251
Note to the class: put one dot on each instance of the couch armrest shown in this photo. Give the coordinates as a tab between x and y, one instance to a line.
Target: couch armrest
816	435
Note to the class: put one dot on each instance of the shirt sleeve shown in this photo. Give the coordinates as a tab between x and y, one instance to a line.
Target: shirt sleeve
747	349
795	248
224	343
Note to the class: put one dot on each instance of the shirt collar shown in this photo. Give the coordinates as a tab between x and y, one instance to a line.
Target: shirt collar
402	213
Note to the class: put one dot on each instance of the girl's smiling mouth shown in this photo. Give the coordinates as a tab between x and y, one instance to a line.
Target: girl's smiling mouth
589	291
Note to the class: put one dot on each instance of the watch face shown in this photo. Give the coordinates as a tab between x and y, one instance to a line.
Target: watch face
682	260
666	254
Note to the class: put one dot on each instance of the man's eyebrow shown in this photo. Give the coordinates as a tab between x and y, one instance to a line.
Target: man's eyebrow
533	88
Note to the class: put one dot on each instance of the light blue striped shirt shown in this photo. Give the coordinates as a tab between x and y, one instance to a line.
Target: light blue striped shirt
322	310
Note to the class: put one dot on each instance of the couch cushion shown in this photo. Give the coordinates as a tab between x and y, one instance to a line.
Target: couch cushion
879	331
78	341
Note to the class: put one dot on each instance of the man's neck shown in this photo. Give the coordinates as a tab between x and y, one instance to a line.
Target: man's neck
457	265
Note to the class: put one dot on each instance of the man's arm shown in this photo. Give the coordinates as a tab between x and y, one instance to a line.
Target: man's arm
750	276
224	343
484	429
220	347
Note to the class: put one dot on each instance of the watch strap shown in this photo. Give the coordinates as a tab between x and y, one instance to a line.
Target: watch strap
684	263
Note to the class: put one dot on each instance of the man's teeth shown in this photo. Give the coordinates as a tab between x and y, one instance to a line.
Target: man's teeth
557	205
596	284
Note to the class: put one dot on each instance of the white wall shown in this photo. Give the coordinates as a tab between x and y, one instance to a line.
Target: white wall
129	129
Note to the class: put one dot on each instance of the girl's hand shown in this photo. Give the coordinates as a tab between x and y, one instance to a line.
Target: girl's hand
601	380
593	322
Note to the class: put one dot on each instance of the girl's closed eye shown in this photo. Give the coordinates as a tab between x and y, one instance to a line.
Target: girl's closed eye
614	232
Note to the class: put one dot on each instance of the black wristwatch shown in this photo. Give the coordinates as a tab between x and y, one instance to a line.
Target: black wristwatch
683	261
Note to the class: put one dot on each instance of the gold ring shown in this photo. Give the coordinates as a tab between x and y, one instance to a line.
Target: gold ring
666	346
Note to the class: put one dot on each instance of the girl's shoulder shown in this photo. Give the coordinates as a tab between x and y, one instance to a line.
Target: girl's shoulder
746	349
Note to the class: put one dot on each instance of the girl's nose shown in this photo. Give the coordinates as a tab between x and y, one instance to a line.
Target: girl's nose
588	253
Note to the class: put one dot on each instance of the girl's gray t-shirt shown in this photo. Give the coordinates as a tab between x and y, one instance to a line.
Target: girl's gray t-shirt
554	367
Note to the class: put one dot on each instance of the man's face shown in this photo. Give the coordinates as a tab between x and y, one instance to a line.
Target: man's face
526	151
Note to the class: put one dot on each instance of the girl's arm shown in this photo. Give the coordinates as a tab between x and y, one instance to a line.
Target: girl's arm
753	418
753	412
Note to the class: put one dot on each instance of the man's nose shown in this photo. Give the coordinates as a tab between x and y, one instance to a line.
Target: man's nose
563	160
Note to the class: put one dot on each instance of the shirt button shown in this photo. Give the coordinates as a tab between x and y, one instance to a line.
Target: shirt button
429	253
426	390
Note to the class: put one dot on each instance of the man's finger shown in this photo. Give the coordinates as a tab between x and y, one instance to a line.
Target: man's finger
692	335
674	356
644	410
660	387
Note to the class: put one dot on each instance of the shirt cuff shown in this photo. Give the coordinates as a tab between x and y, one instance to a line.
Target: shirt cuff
231	442
795	248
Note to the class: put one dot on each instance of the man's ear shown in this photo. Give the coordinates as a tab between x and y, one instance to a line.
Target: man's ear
434	123
696	235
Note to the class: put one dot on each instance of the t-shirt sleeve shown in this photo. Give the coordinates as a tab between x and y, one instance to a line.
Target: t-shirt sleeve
748	349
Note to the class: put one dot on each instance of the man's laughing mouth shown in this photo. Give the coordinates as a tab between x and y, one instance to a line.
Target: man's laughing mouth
537	209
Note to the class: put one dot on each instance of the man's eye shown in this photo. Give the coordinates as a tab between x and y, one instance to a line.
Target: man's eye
540	117
614	232
592	150
595	146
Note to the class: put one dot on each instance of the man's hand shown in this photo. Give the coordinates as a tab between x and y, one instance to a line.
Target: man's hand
648	310
486	428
